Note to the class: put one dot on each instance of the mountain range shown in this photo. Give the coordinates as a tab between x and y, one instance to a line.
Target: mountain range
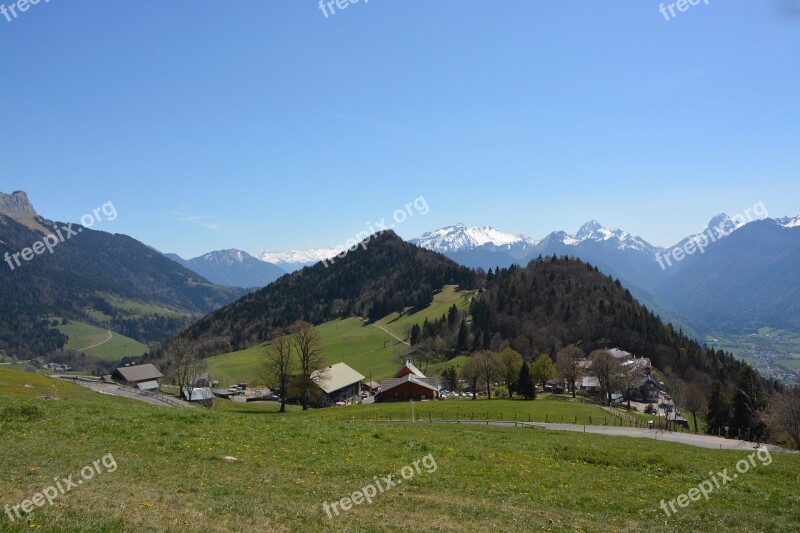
232	268
643	267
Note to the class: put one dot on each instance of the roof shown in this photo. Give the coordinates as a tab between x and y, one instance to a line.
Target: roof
645	380
428	383
198	394
590	381
138	373
336	377
372	384
408	368
147	385
620	354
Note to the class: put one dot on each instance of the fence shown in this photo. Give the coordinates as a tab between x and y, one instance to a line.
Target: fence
610	419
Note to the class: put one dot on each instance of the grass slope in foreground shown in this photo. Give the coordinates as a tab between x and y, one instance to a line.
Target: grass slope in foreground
171	474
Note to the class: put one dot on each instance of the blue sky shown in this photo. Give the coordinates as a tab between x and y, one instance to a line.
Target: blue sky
265	125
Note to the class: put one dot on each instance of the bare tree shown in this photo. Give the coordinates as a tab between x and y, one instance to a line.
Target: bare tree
184	366
279	366
568	364
607	370
489	369
307	345
627	380
694	400
783	413
422	354
471	374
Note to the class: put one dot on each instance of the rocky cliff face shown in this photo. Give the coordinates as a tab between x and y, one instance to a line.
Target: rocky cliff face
16	204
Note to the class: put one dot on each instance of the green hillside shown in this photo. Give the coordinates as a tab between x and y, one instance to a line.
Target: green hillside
367	348
442	301
82	336
165	470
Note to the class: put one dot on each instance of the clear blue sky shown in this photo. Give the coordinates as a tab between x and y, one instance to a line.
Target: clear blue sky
264	125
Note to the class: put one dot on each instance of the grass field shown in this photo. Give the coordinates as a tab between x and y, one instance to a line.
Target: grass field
366	348
82	335
171	474
442	301
548	408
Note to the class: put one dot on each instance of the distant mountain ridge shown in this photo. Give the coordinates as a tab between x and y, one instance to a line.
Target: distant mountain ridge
635	262
296	259
232	268
80	279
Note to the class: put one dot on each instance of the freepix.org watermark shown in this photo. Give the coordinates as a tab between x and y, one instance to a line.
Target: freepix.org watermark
380	485
62	486
700	242
716	481
20	6
62	234
681	5
330	5
361	238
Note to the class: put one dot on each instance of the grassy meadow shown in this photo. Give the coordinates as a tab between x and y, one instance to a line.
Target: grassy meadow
82	335
172	474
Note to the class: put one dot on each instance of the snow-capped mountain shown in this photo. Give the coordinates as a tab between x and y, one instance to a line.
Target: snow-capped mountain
788	222
460	237
292	260
232	267
593	231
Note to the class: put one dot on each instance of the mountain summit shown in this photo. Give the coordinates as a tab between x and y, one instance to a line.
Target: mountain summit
460	237
16	203
232	268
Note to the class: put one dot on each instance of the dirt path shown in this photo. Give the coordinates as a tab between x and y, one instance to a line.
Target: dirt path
95	345
391	334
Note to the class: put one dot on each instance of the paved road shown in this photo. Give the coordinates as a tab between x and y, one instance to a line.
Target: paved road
701	441
127	392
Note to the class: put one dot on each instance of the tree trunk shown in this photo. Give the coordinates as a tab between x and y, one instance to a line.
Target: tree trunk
573	388
283	405
694	416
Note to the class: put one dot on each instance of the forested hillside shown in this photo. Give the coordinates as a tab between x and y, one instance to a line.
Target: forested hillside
389	275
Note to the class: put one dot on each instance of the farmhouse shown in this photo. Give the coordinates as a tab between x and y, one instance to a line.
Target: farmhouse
408	383
590	384
144	377
645	389
337	384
